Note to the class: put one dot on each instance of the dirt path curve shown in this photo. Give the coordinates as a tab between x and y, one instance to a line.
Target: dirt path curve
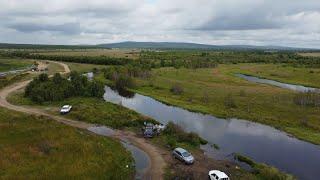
154	171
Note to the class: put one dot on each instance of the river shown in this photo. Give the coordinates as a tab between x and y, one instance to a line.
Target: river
293	87
260	142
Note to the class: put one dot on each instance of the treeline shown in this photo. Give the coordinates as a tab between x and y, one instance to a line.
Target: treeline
200	59
187	59
100	60
43	88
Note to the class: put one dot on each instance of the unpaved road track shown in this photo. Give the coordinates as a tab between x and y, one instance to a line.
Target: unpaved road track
154	171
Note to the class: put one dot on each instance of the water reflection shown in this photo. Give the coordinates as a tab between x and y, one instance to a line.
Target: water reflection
293	87
261	143
141	159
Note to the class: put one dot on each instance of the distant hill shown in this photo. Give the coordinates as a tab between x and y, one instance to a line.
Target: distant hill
178	45
154	45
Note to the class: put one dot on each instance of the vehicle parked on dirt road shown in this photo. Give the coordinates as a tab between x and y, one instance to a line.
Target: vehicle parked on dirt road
183	155
65	109
148	130
217	175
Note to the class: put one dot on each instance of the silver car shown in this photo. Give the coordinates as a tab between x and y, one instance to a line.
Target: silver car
183	155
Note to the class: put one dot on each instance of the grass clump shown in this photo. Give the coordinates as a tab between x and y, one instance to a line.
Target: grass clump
176	89
263	171
304	99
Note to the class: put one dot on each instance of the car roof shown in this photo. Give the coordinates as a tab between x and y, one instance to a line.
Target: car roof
65	106
220	174
181	150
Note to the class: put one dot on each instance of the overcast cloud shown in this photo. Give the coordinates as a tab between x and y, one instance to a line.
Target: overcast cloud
255	22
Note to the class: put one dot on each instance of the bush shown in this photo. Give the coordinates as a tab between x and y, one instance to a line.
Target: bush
229	102
124	82
176	89
176	134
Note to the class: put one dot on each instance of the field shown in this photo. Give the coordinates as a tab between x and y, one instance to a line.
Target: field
282	73
133	54
13	64
197	81
35	147
98	111
83	68
313	54
92	110
218	92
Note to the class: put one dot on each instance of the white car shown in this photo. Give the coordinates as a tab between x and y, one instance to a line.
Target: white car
65	109
217	175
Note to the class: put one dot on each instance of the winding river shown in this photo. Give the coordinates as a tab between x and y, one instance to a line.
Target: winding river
259	142
293	87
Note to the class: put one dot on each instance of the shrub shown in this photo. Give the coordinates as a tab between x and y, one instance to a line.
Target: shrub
242	93
229	102
176	89
176	134
124	82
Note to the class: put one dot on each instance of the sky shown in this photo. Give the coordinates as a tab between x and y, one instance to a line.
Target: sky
294	23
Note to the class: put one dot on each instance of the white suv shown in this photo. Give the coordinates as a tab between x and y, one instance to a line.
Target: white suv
65	109
217	175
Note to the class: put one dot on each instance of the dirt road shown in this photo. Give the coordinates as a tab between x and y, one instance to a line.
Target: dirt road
156	169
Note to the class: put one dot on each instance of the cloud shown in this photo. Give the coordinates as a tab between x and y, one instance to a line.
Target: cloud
257	22
67	28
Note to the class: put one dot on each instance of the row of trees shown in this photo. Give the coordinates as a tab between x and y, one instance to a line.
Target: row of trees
201	59
187	59
43	88
101	60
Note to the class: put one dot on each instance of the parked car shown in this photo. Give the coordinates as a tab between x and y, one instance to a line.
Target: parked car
160	127
148	130
65	109
217	175
183	155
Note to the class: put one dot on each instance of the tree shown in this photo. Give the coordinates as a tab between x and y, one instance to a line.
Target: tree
43	77
57	78
124	82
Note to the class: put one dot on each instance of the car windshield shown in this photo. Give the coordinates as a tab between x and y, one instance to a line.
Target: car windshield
185	154
65	107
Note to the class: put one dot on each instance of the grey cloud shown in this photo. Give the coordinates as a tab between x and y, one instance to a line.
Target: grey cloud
260	22
66	28
247	22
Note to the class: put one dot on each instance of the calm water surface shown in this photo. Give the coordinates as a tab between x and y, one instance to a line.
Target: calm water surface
293	87
141	159
259	142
